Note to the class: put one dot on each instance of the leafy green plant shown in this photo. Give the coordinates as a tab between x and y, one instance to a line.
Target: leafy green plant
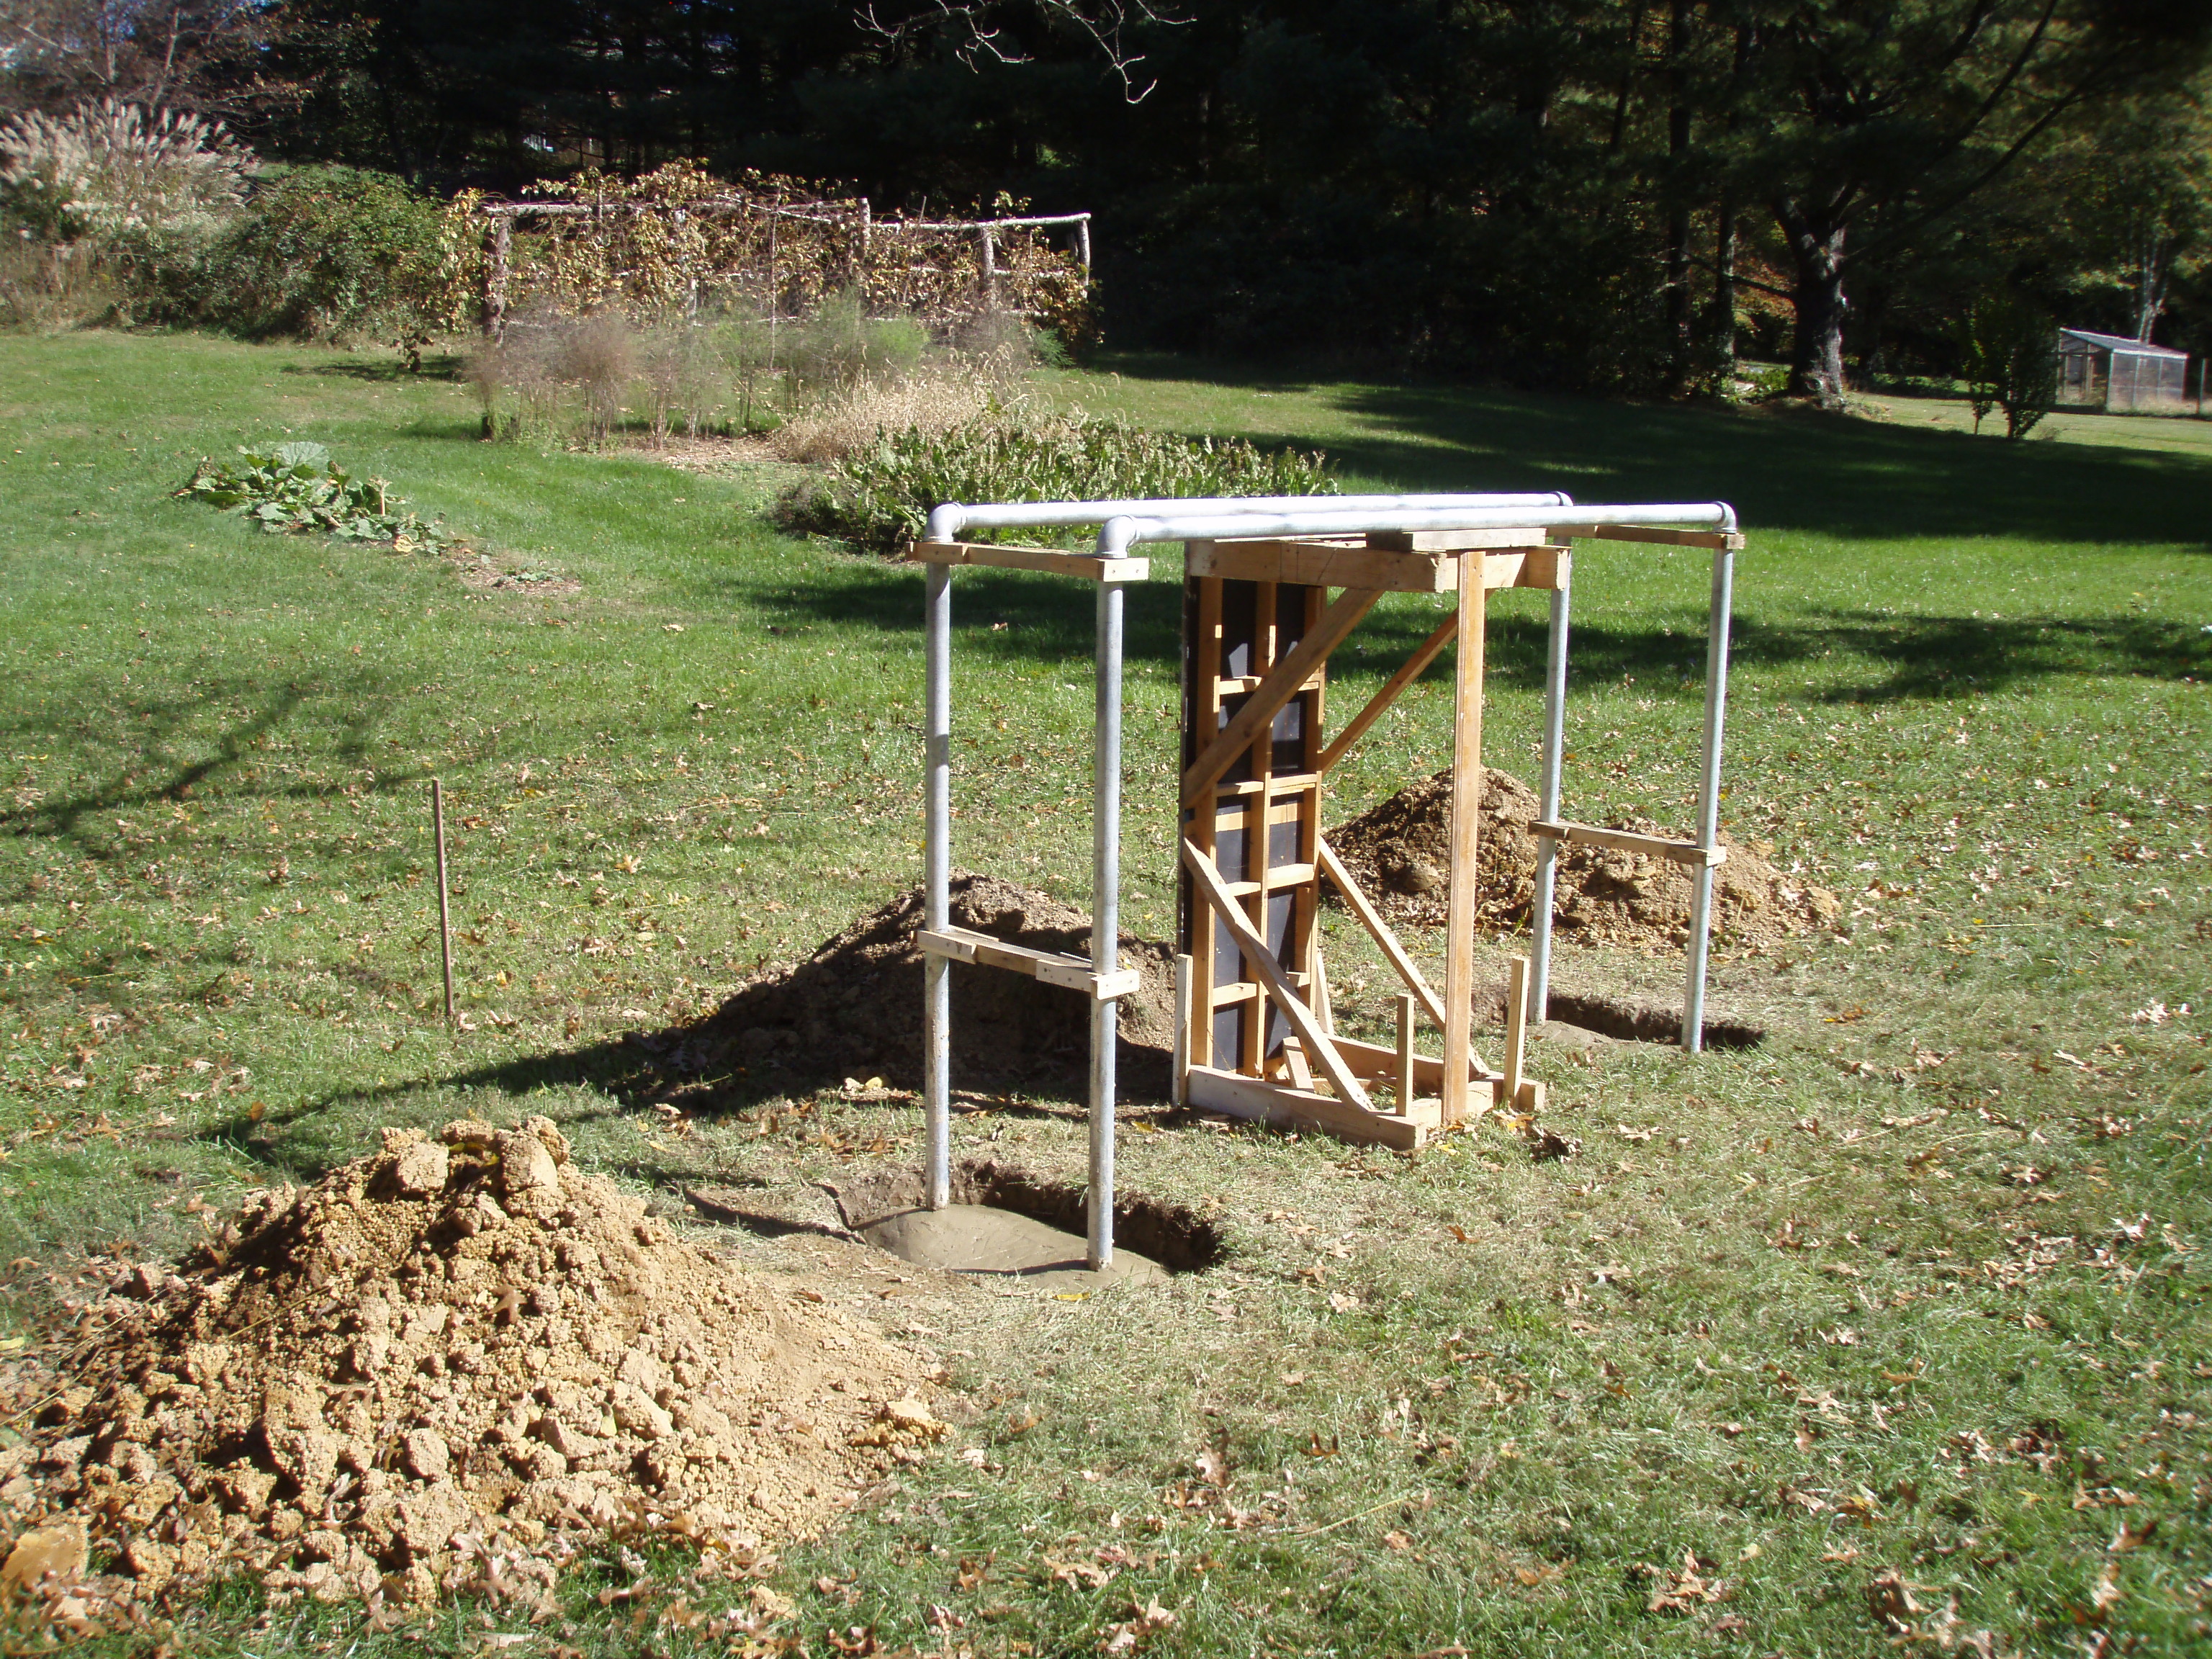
881	495
2010	348
296	487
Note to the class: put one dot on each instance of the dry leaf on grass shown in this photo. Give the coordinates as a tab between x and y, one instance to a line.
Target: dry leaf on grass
1685	1590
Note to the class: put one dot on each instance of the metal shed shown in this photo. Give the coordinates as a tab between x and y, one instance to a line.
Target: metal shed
2105	371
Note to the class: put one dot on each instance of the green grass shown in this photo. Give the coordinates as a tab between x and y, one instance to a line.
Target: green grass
1813	1326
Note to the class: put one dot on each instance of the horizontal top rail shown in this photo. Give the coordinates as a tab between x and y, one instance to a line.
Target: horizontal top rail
1323	517
948	519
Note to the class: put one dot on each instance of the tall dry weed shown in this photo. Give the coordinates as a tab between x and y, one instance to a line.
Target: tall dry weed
952	396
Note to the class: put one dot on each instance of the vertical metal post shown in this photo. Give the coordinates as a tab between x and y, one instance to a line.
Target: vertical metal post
937	878
1709	798
1082	246
1105	916
1547	850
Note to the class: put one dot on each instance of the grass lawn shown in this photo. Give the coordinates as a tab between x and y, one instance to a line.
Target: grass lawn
1916	1287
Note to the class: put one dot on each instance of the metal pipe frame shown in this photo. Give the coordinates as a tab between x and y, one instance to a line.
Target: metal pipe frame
948	519
937	879
1126	523
1708	799
1105	916
1547	850
1122	532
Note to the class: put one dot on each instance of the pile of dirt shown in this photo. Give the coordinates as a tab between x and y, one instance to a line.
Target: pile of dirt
1400	851
854	1008
448	1366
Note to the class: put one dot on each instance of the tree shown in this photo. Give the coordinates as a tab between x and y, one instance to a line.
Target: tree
1869	121
198	55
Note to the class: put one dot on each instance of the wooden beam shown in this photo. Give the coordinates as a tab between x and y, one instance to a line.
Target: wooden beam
1638	533
1516	1025
1513	558
1336	563
1378	930
1287	679
1054	967
1525	566
1627	840
1465	834
1176	1091
1056	561
1206	881
1452	541
1235	1095
1373	1059
1405	1074
1392	688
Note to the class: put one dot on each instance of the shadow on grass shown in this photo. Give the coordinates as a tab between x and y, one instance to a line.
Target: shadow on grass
436	366
1009	618
165	761
1793	469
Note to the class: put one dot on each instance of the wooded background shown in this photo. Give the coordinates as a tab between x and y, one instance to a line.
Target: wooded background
1614	194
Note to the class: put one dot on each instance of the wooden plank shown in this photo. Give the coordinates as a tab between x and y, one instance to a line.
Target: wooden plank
1528	566
1516	1025
1207	881
1639	532
1057	561
1455	541
1515	558
1054	967
1177	1090
1378	930
1392	688
1407	1087
1236	1096
1375	1060
1322	564
1627	840
1466	831
1294	1056
1284	681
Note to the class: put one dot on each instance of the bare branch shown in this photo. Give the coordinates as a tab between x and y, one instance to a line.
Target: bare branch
979	35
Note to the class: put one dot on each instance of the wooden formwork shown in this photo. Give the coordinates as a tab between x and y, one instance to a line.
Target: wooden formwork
1259	1036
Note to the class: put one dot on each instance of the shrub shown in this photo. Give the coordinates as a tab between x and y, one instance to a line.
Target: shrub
881	495
2010	348
326	253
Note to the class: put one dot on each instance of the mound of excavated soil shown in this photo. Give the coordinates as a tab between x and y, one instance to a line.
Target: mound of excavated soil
854	1008
451	1365
1400	851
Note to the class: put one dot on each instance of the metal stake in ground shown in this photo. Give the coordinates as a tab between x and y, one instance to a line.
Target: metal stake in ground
445	908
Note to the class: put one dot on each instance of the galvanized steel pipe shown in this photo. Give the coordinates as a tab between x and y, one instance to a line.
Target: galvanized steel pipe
936	878
1708	799
1105	916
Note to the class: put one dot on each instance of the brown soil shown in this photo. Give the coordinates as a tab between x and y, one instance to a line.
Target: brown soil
1399	851
449	1366
854	1008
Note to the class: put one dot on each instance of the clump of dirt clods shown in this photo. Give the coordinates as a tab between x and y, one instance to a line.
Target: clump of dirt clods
854	1008
1400	850
447	1366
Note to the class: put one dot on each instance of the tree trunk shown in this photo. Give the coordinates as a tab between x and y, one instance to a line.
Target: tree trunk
1721	347
1816	360
1681	345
